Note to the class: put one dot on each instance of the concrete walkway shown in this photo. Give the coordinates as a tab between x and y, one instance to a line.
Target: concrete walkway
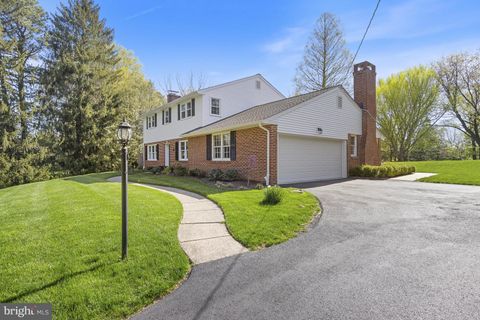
414	176
202	232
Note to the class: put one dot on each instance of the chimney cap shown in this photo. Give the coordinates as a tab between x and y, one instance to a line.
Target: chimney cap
363	66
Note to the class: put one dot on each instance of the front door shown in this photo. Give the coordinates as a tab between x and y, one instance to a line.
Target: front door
167	155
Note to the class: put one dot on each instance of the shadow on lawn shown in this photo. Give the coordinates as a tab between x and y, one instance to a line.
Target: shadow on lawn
55	282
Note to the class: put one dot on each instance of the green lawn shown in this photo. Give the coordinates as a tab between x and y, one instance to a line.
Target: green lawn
61	242
251	223
449	171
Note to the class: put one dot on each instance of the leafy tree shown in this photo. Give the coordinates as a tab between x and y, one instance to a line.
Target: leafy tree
80	78
407	109
135	95
459	78
326	59
22	26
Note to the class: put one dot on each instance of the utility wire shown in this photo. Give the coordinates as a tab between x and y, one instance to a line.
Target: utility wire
366	30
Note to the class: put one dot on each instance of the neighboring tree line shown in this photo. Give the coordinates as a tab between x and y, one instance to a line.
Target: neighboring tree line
64	88
424	113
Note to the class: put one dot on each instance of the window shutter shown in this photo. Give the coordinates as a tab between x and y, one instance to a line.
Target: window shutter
178	108
233	145
169	115
193	107
146	153
155	119
163	116
158	151
209	147
176	150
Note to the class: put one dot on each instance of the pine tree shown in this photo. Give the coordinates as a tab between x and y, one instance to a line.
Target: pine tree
80	78
22	25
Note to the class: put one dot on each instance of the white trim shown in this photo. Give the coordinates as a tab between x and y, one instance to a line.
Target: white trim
219	107
185	143
152	152
267	176
355	145
222	147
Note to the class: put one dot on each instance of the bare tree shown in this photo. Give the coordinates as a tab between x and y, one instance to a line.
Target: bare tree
184	84
326	59
459	78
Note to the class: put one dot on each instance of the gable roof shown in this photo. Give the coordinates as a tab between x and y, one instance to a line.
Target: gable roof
258	75
257	113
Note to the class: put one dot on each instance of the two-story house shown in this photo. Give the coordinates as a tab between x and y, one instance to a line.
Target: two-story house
249	126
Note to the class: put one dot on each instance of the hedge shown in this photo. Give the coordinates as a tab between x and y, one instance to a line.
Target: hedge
384	171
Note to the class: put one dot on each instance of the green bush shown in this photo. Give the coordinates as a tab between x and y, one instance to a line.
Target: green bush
197	173
167	170
383	171
215	174
156	170
231	175
180	171
272	195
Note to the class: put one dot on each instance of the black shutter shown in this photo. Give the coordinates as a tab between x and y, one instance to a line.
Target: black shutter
209	147
176	150
146	153
163	116
158	152
169	115
233	145
178	108
155	119
193	107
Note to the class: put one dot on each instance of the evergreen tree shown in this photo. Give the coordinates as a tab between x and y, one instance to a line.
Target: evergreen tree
80	79
22	24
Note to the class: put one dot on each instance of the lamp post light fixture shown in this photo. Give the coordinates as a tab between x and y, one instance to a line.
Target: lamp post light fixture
124	133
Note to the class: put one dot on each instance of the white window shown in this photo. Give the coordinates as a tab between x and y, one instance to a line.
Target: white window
221	146
168	115
339	102
353	146
151	121
215	106
186	110
152	152
183	150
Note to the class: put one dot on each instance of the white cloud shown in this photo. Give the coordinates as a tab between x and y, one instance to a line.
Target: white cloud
292	39
142	13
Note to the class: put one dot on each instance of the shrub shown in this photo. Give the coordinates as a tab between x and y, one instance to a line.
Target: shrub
167	170
383	171
215	174
197	173
156	170
180	171
272	195
231	175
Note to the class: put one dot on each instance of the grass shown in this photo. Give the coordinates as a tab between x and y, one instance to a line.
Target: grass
249	221
61	244
449	171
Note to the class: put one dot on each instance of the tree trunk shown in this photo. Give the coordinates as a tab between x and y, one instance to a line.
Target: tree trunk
474	150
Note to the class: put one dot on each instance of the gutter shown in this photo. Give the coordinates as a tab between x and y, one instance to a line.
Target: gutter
267	177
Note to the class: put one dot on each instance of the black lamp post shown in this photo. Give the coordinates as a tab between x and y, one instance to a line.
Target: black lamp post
124	133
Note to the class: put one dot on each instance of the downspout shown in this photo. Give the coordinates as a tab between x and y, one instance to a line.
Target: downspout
267	177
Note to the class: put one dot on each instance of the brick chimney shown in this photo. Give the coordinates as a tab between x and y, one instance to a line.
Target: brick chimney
364	92
172	95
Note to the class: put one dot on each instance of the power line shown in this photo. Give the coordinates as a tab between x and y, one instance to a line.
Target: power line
366	30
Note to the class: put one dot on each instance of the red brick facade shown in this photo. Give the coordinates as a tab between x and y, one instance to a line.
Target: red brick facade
251	154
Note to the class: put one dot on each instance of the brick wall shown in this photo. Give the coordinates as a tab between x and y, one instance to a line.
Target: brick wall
251	160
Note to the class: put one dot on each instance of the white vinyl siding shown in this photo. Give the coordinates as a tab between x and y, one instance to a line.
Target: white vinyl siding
322	112
221	146
302	159
152	152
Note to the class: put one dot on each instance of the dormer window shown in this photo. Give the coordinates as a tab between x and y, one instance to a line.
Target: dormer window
215	106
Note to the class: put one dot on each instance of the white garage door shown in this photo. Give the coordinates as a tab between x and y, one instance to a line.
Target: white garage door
302	159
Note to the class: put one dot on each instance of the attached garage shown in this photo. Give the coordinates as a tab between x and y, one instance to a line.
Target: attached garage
302	159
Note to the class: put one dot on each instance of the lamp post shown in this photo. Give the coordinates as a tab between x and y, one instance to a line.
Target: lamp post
124	133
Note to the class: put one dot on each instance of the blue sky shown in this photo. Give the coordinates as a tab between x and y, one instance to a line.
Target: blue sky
226	40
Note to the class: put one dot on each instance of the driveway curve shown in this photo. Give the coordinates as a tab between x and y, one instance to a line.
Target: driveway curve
382	250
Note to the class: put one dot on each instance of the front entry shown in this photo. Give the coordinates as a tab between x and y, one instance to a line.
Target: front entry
167	155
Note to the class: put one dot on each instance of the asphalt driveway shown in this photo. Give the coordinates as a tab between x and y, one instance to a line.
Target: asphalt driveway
381	250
